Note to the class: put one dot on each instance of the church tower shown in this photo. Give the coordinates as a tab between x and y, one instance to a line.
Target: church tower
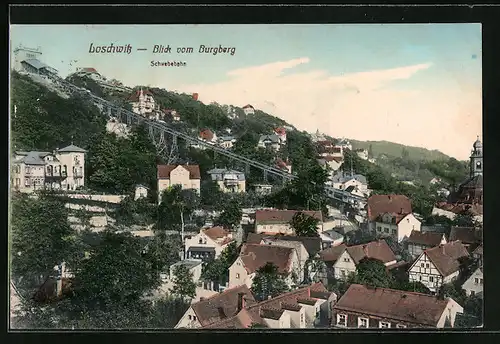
476	159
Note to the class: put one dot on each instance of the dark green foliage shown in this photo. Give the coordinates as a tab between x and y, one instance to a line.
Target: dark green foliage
305	225
211	195
41	238
45	121
268	282
184	286
135	212
88	84
231	215
217	270
373	273
176	206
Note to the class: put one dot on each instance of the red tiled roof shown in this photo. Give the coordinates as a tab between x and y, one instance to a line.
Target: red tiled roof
459	208
392	304
165	170
380	204
333	158
311	244
221	306
248	106
273	308
207	134
217	233
379	250
425	238
280	131
89	70
467	235
255	256
445	257
282	216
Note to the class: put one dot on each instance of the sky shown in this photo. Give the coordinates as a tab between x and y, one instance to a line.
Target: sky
415	84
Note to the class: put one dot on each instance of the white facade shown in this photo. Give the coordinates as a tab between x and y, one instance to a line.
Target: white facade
63	169
189	320
145	104
474	284
416	250
279	228
248	110
24	53
344	266
178	176
398	231
203	240
194	267
424	271
140	192
302	254
363	154
263	189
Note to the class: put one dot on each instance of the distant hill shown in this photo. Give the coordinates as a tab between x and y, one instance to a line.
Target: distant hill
392	149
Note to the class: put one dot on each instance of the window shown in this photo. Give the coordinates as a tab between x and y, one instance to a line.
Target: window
394	231
386	230
189	317
384	324
27	169
422	265
342	272
194	317
26	182
363	322
431	279
302	317
237	275
200	241
379	229
18	181
476	280
472	293
346	259
427	265
419	277
342	319
400	326
481	281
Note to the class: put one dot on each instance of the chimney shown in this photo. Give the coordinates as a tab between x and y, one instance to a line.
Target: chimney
309	292
402	211
442	249
269	297
241	301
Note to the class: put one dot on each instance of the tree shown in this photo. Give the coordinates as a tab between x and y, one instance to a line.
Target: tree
374	273
217	270
184	287
176	204
305	225
257	325
370	151
231	215
211	195
115	274
464	220
84	217
268	282
413	286
41	239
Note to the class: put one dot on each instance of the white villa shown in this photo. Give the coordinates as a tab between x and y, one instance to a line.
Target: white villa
228	180
62	169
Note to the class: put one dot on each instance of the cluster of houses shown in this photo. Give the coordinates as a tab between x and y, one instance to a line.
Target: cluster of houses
437	259
111	84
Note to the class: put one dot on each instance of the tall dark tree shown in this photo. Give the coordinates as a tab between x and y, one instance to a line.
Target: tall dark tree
374	273
41	239
184	287
176	206
305	225
230	216
268	282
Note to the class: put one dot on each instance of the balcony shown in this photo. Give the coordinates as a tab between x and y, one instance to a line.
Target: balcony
55	175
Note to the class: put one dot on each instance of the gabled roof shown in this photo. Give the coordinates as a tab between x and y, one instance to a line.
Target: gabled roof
280	131
72	149
33	158
345	177
446	257
274	308
222	174
393	304
379	250
248	106
478	250
379	204
134	97
282	216
312	244
35	63
255	256
273	138
428	238
164	171
467	235
221	306
219	235
88	70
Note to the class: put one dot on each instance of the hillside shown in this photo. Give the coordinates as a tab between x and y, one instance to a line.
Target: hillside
392	149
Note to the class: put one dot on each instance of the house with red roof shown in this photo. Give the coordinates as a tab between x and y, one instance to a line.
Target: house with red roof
208	135
307	307
438	265
188	176
278	221
255	256
89	72
143	103
248	109
381	308
343	260
281	132
208	243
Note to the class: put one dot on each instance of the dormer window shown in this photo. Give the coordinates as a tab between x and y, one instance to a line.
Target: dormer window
200	241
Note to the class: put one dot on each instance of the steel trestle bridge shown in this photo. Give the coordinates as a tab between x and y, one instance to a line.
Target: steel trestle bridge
129	118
